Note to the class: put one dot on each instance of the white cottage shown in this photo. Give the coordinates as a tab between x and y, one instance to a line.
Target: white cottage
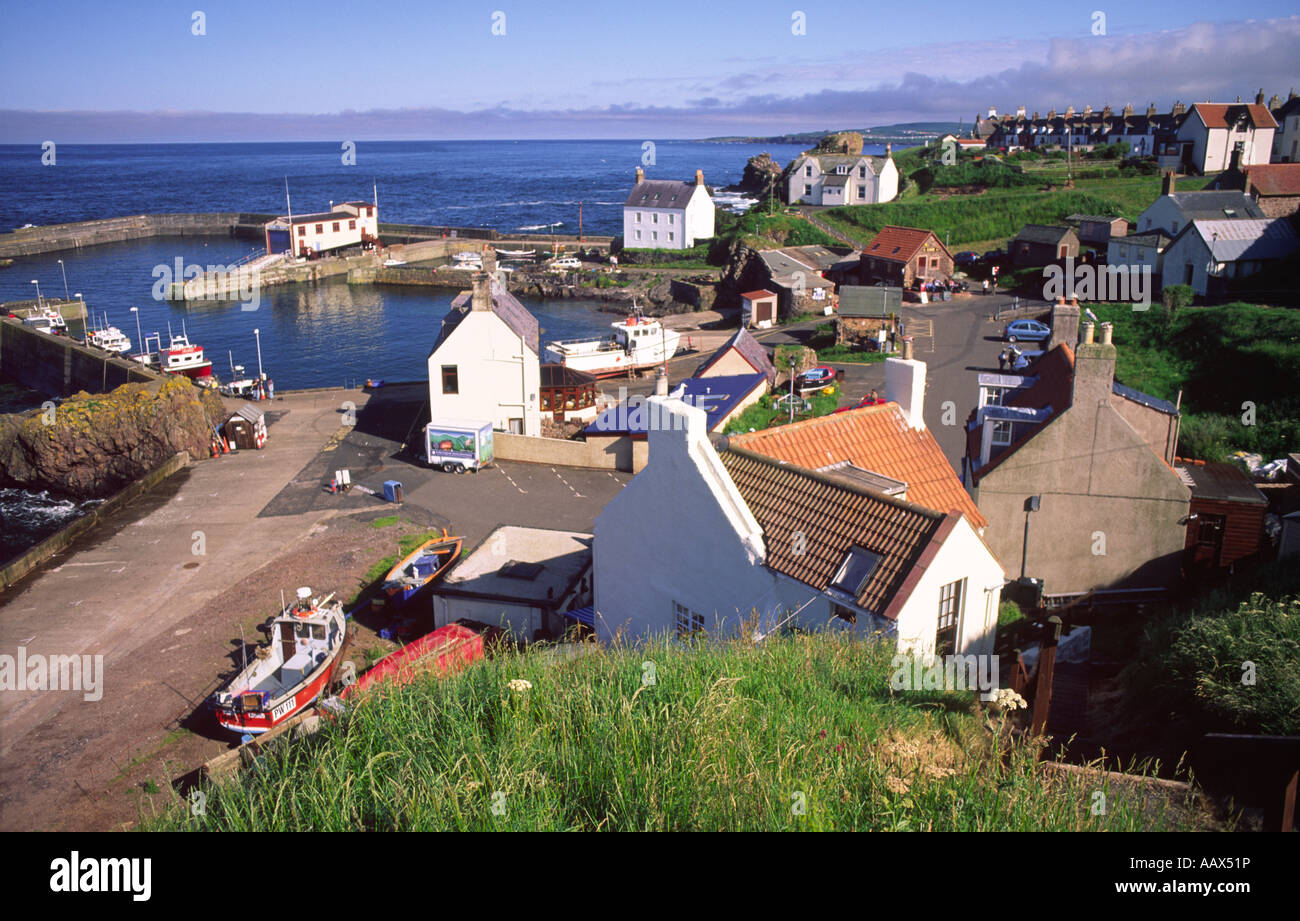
484	364
843	179
1211	255
751	540
666	214
1213	130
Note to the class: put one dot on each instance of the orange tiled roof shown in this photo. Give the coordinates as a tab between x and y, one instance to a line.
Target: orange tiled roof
1219	114
876	438
1275	178
899	244
810	522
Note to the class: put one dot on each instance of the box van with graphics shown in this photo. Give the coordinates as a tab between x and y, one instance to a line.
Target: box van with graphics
457	445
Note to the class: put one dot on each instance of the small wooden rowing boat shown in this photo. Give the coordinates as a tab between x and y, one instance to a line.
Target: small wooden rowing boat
426	563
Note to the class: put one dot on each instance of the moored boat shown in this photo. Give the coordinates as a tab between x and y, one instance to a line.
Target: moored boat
180	357
416	570
637	343
289	673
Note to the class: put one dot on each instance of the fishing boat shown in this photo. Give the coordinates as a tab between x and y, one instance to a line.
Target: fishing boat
468	257
109	338
815	379
427	562
443	651
47	320
240	385
180	357
290	672
517	253
638	342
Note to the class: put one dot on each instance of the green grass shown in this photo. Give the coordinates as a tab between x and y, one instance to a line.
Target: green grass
386	521
1224	359
797	733
765	413
823	341
405	544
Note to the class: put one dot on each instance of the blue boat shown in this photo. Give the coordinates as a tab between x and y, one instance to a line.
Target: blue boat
422	566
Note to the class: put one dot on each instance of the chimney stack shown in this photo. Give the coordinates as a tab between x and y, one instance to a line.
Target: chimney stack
1094	368
1167	183
1020	111
490	260
905	385
699	177
481	294
1178	108
640	175
993	112
1065	325
1259	97
1151	110
1274	101
1128	110
889	149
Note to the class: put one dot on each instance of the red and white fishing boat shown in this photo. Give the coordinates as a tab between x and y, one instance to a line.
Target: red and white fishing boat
289	673
180	357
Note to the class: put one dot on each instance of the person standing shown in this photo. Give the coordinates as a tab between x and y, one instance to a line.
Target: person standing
1002	360
986	286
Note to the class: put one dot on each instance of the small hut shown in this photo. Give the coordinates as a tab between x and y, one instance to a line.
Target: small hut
246	429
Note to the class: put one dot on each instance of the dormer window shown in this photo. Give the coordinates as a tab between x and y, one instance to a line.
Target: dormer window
841	170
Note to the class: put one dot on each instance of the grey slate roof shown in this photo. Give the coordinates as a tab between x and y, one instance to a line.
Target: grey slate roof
1230	241
1144	399
835	179
1156	236
873	301
1209	206
748	347
504	304
1042	233
660	193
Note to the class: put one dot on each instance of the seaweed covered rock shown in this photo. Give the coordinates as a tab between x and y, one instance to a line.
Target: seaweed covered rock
89	446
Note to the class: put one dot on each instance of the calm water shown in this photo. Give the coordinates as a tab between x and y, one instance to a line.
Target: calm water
509	185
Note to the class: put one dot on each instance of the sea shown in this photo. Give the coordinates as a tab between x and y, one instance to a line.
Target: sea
327	334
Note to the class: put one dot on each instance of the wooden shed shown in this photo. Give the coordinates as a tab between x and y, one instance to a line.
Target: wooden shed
246	429
1226	523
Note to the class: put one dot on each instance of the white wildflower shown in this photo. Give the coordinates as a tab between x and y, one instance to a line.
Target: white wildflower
520	685
1007	699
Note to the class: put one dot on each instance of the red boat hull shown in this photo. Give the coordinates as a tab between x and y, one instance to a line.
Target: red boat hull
259	721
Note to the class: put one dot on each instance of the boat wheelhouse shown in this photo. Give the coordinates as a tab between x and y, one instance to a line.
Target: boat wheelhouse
636	344
110	338
289	673
180	357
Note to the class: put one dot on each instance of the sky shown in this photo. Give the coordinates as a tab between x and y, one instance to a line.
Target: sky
154	71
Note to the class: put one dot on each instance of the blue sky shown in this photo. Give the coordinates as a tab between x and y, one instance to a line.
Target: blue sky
683	68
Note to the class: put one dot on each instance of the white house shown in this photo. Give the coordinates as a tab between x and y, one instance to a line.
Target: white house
667	214
1140	250
349	224
751	540
1174	210
484	364
843	179
1212	130
1209	255
1286	140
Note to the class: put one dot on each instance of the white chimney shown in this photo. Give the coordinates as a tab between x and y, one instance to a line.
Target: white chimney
905	385
661	382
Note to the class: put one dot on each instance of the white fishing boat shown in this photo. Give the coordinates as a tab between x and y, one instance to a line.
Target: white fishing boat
468	257
48	320
637	343
239	385
109	338
517	253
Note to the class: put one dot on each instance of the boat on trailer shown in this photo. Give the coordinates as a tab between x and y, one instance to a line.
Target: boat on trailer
637	343
290	672
428	562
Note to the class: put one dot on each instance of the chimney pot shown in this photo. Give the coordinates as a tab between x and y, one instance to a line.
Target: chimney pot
640	175
1106	330
907	348
699	177
661	382
1259	97
1088	332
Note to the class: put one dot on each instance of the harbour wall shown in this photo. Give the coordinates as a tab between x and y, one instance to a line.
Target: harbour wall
33	241
60	366
20	566
603	454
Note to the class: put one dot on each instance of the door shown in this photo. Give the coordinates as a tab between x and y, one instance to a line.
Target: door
286	641
1208	550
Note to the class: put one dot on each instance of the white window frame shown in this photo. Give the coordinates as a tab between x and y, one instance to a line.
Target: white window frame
1005	426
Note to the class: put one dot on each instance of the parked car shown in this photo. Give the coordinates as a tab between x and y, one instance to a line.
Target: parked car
1027	330
966	259
816	378
566	262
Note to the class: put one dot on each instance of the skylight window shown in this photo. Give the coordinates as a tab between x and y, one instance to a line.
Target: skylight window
527	572
859	563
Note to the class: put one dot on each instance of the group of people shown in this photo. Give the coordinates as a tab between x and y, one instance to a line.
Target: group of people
1011	358
938	287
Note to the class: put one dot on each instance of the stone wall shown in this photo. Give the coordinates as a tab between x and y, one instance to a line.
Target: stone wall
617	453
60	366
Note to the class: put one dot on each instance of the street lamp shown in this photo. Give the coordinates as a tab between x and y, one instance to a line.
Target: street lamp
65	280
39	305
139	336
260	376
1032	504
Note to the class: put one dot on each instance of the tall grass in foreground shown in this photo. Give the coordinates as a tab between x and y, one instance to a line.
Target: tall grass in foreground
798	733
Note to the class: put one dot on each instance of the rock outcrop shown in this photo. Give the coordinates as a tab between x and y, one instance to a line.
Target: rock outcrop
89	446
760	172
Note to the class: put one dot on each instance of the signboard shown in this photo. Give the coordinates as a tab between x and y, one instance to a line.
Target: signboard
451	444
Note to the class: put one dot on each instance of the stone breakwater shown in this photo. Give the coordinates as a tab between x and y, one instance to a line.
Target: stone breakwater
91	446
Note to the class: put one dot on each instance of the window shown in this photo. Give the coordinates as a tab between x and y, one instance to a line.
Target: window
638	235
951	598
336	226
670	235
672	219
1175	227
369	212
450	379
638	217
687	621
352	225
1123	252
1141	254
654	218
841	170
1002	432
302	230
992	396
654	235
807	170
859	563
862	191
862	172
807	189
844	613
320	228
920	263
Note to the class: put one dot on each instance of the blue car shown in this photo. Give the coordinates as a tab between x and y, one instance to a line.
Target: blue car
1027	330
